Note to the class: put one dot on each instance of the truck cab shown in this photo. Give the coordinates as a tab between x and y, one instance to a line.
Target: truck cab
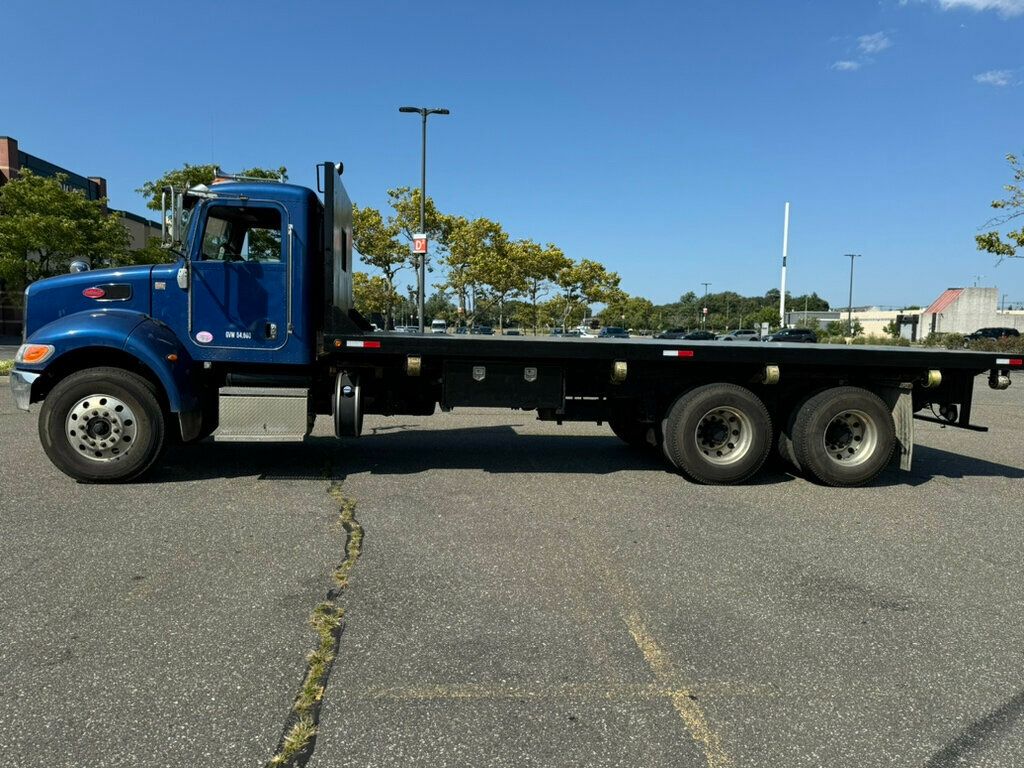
260	269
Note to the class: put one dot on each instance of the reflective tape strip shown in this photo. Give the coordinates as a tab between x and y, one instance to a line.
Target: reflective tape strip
1013	362
363	344
677	352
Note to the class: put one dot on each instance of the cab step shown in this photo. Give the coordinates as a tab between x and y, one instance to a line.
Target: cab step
269	414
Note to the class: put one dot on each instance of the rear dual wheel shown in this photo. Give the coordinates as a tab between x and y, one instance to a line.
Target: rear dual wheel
718	434
843	436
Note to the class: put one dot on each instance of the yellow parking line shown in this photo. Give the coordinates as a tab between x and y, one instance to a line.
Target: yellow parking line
690	712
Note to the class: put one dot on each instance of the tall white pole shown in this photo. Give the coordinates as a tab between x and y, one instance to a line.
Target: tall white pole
785	253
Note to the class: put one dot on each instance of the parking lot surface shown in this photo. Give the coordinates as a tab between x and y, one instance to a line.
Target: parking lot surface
527	594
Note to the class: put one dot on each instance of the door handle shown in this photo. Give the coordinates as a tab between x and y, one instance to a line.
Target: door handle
271	330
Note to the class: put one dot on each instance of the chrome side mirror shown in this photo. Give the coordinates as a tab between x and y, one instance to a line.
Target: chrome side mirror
78	266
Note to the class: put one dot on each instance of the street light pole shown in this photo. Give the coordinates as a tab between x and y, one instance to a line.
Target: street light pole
421	259
704	309
849	307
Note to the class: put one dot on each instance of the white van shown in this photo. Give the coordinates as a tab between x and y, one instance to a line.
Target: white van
438	326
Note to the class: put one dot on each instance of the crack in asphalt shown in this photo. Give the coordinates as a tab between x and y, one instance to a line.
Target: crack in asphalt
298	736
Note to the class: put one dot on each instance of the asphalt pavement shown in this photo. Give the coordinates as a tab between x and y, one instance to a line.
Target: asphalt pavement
527	594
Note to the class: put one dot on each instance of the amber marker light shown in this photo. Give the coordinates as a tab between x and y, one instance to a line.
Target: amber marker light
33	354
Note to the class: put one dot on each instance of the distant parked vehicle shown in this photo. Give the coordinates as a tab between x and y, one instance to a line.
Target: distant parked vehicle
482	330
797	335
992	333
511	332
569	333
612	332
438	326
740	334
685	335
672	333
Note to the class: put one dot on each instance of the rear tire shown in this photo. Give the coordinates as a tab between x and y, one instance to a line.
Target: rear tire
718	434
102	425
844	436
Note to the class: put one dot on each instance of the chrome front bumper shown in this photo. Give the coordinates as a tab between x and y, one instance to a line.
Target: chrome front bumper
21	387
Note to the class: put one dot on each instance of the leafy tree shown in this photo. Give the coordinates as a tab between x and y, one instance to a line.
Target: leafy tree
540	267
1011	207
405	202
377	242
484	267
439	307
842	328
582	284
627	311
44	227
373	294
501	273
191	175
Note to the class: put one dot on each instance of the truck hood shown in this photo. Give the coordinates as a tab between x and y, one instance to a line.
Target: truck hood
125	288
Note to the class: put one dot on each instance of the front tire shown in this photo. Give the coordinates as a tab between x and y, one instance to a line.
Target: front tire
102	425
718	434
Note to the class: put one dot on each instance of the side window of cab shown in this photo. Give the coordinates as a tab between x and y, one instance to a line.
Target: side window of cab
242	233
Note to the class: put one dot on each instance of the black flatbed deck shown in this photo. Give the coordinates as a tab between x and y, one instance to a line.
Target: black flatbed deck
526	348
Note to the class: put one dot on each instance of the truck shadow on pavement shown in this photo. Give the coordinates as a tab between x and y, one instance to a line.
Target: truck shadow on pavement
406	450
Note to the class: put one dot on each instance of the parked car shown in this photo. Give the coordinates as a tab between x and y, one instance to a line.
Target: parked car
611	332
568	333
992	333
482	330
685	335
799	335
740	334
512	332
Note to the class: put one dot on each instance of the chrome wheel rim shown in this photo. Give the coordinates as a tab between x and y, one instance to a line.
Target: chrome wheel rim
101	428
724	435
850	438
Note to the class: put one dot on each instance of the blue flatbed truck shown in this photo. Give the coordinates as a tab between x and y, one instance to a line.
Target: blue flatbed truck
251	333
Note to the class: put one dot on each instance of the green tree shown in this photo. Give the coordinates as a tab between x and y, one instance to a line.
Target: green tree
482	268
190	175
44	227
377	242
582	284
373	294
540	267
1011	207
405	206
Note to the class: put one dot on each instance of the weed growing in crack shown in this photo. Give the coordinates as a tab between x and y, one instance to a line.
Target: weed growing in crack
326	621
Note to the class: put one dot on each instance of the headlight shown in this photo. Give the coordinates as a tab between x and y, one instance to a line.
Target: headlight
33	354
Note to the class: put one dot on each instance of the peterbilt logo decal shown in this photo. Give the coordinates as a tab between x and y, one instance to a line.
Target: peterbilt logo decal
109	292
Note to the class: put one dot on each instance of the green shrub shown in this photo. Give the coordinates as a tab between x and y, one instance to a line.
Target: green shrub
6	366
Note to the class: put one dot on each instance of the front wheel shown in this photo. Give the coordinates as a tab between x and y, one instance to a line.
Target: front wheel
102	425
718	434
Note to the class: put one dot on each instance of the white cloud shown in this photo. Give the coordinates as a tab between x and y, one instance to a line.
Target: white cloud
875	43
846	65
996	77
1002	7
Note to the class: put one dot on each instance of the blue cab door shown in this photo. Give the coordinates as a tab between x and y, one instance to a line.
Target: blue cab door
239	288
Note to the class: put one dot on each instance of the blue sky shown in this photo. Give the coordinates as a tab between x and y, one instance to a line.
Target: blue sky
659	138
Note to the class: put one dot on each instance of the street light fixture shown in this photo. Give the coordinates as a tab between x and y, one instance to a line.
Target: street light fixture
849	307
421	272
